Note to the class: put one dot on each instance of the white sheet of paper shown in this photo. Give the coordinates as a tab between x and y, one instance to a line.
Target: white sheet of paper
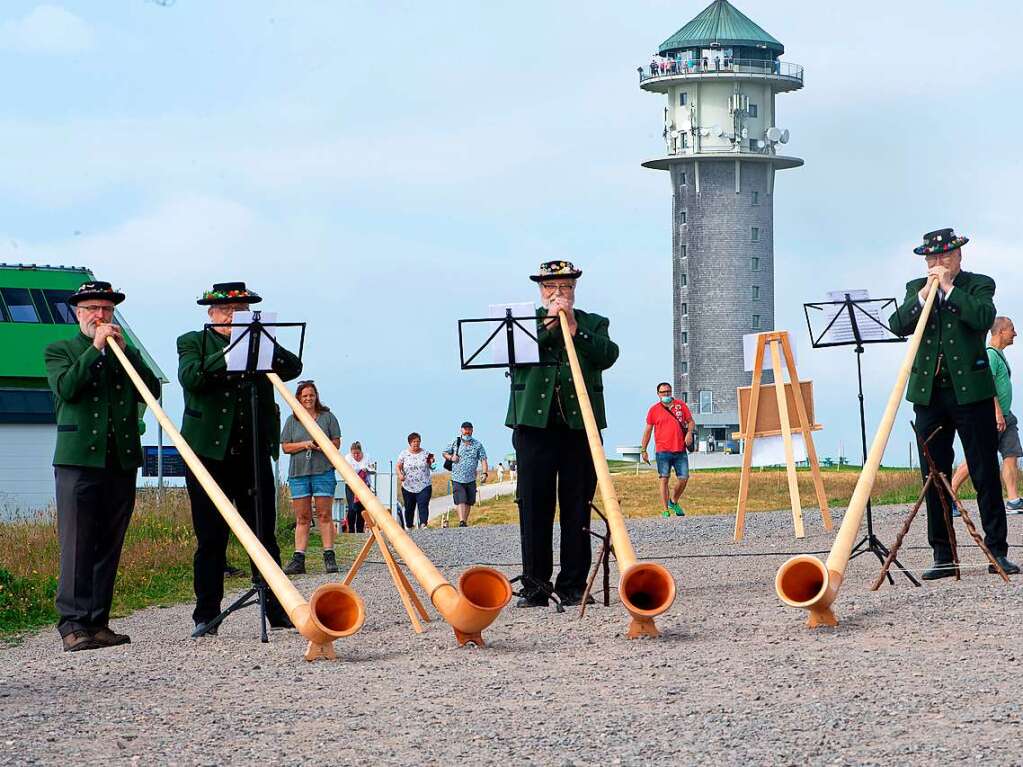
526	349
770	451
239	355
749	353
841	332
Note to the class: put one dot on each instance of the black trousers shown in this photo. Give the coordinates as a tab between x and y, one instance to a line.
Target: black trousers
234	474
353	512
555	465
975	424
417	501
94	507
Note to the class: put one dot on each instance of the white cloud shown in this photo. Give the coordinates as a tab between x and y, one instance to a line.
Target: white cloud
47	29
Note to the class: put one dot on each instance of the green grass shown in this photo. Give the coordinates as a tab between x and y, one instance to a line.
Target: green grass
155	567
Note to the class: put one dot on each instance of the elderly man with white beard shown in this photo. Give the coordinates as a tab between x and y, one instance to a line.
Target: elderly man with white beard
552	451
95	463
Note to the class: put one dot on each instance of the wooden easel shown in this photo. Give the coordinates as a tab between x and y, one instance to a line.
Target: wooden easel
401	583
779	344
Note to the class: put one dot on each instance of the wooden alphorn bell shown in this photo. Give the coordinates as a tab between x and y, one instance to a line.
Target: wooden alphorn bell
333	611
645	588
482	591
804	581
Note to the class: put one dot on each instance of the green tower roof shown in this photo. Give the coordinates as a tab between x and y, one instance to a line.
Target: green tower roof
721	23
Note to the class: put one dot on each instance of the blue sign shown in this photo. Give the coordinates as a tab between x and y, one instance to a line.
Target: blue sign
173	463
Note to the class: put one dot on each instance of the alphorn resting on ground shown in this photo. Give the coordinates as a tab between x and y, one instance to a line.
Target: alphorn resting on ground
645	588
333	611
482	591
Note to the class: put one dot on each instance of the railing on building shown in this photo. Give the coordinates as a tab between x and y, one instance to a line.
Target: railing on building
664	67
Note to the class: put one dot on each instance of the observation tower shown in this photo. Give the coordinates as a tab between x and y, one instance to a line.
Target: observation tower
720	75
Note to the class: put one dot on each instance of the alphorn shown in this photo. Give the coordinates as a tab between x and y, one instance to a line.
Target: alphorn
645	588
482	591
333	611
804	581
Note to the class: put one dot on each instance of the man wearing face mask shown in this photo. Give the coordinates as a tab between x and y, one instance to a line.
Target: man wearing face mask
217	424
673	427
465	455
552	451
95	464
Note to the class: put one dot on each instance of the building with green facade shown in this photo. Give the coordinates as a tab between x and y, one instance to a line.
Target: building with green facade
33	314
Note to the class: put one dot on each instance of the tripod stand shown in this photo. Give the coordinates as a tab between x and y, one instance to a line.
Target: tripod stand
844	329
249	372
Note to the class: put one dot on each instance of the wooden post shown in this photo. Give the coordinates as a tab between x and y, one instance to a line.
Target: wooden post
748	435
786	433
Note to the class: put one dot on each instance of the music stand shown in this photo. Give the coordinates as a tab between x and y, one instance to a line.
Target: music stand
845	330
254	332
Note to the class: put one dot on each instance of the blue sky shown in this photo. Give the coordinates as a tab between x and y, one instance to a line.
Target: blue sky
380	170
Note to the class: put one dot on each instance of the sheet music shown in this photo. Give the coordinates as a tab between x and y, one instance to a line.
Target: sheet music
841	332
526	349
238	357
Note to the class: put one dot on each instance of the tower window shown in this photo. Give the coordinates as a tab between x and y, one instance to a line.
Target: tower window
756	292
754	264
706	401
685	368
756	322
683	99
683	215
752	110
684	252
755	198
683	280
685	397
685	337
682	177
685	309
754	233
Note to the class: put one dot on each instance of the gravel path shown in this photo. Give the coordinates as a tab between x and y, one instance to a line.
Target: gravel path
911	676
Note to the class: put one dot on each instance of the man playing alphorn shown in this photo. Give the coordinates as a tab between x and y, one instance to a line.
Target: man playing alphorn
551	448
218	425
951	386
95	464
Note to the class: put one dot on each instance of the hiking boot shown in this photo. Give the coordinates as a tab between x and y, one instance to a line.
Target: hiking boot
79	640
107	638
329	561
297	564
676	508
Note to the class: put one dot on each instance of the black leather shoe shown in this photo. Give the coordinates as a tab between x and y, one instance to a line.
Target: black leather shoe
532	600
576	597
1011	568
939	570
278	622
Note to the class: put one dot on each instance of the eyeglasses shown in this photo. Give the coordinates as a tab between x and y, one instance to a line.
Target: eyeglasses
554	287
665	392
96	309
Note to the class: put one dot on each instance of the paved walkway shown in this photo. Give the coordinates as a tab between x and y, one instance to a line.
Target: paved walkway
442	504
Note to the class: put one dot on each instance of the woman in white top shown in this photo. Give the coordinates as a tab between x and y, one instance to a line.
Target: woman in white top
414	474
353	514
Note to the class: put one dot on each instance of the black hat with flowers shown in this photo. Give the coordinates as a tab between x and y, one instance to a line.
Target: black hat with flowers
95	289
552	270
940	241
228	293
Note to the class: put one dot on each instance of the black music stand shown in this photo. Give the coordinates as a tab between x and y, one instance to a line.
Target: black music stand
253	333
856	311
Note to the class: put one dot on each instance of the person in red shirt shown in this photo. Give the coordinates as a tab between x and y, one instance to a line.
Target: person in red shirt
673	427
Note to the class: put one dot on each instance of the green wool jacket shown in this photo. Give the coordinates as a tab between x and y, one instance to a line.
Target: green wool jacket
536	389
956	329
94	398
215	403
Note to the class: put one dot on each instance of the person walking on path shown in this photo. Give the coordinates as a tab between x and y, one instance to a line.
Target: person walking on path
951	387
673	427
311	477
414	473
357	459
1003	333
465	454
96	460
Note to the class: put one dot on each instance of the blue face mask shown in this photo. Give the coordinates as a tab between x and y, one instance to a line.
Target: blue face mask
466	437
667	400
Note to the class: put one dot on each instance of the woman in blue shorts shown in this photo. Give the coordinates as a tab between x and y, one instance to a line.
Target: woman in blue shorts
311	477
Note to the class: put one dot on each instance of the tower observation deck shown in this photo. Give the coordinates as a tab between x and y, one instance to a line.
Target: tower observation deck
720	74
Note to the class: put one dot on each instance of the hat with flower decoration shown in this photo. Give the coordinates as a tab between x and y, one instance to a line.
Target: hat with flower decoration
940	241
228	293
552	270
95	289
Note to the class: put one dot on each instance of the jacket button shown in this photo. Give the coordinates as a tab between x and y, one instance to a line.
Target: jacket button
571	396
927	372
94	431
95	415
95	399
221	426
948	324
538	412
224	410
546	380
573	412
951	340
118	386
963	388
960	372
216	442
542	395
92	447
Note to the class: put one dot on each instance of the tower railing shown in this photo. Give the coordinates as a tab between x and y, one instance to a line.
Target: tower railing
669	68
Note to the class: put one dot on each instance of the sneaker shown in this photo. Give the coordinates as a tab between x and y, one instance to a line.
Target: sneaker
297	564
1016	506
463	524
666	514
329	561
676	508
